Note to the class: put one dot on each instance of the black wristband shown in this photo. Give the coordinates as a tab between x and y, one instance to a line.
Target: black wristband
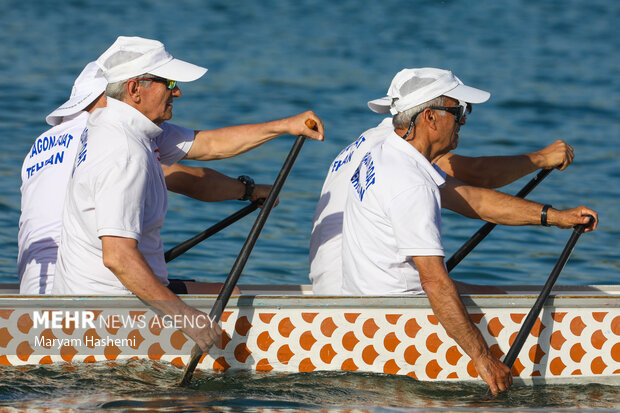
543	215
249	187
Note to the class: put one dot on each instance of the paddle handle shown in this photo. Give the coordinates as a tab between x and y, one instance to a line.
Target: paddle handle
530	320
484	230
237	268
183	247
244	254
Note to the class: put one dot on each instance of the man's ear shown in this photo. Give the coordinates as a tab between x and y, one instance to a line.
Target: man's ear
132	90
430	118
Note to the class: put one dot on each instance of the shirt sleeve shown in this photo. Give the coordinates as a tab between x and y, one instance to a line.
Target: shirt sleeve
442	173
174	143
416	219
119	200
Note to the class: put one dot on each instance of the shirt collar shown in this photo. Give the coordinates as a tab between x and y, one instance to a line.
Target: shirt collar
133	118
410	151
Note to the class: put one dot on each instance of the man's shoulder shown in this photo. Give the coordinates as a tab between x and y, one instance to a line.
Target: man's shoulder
107	142
396	169
105	129
73	126
352	154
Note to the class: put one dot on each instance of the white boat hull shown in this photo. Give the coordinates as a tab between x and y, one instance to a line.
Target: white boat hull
286	329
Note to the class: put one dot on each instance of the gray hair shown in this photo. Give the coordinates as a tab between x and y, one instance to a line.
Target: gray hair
402	119
116	90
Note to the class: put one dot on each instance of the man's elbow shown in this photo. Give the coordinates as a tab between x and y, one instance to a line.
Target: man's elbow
431	285
112	261
115	252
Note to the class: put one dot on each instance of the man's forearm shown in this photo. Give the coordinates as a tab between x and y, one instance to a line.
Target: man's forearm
227	142
488	205
231	141
497	171
486	171
499	208
448	307
121	256
452	315
203	184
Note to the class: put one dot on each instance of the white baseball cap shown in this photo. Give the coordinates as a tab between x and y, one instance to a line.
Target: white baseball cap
88	86
413	87
134	56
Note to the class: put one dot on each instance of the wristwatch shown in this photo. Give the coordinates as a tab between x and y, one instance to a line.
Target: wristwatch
249	187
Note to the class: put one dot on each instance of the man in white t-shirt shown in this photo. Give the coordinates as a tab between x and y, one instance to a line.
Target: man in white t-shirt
47	168
392	217
116	198
485	171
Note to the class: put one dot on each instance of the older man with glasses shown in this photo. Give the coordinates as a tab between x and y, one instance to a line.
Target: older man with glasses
392	217
116	199
46	171
486	171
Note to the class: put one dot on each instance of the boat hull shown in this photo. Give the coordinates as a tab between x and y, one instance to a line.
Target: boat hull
576	338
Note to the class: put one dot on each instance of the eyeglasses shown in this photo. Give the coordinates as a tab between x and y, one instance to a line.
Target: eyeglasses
170	84
459	112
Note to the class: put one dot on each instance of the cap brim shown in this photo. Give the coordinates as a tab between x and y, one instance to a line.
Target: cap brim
381	105
468	94
179	70
73	106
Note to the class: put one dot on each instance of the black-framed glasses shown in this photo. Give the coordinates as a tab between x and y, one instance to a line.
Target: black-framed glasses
459	111
170	84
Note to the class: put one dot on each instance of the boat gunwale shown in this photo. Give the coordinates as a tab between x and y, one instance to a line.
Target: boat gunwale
315	302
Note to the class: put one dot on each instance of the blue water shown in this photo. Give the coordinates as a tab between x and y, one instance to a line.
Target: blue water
552	68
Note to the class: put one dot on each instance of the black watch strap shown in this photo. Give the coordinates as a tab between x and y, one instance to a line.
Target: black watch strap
543	215
249	187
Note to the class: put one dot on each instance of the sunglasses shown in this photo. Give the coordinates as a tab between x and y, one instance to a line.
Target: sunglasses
170	84
459	112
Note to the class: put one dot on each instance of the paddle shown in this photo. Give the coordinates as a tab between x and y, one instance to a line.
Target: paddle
512	354
471	243
235	272
174	252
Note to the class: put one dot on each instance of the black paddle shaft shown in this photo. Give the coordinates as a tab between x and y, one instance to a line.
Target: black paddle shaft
242	258
512	354
174	252
481	234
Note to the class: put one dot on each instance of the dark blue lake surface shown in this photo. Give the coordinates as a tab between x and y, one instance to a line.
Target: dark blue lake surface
552	69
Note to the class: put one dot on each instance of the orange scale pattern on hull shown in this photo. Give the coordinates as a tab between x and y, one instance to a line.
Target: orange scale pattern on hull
409	342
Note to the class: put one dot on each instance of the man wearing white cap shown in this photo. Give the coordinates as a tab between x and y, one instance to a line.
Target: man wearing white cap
488	171
45	173
116	199
392	217
47	168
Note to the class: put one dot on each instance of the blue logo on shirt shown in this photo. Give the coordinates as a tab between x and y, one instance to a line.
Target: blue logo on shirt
44	144
81	156
344	157
368	167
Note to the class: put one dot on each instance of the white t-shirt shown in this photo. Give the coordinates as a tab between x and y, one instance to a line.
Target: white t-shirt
326	238
45	175
117	188
392	213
